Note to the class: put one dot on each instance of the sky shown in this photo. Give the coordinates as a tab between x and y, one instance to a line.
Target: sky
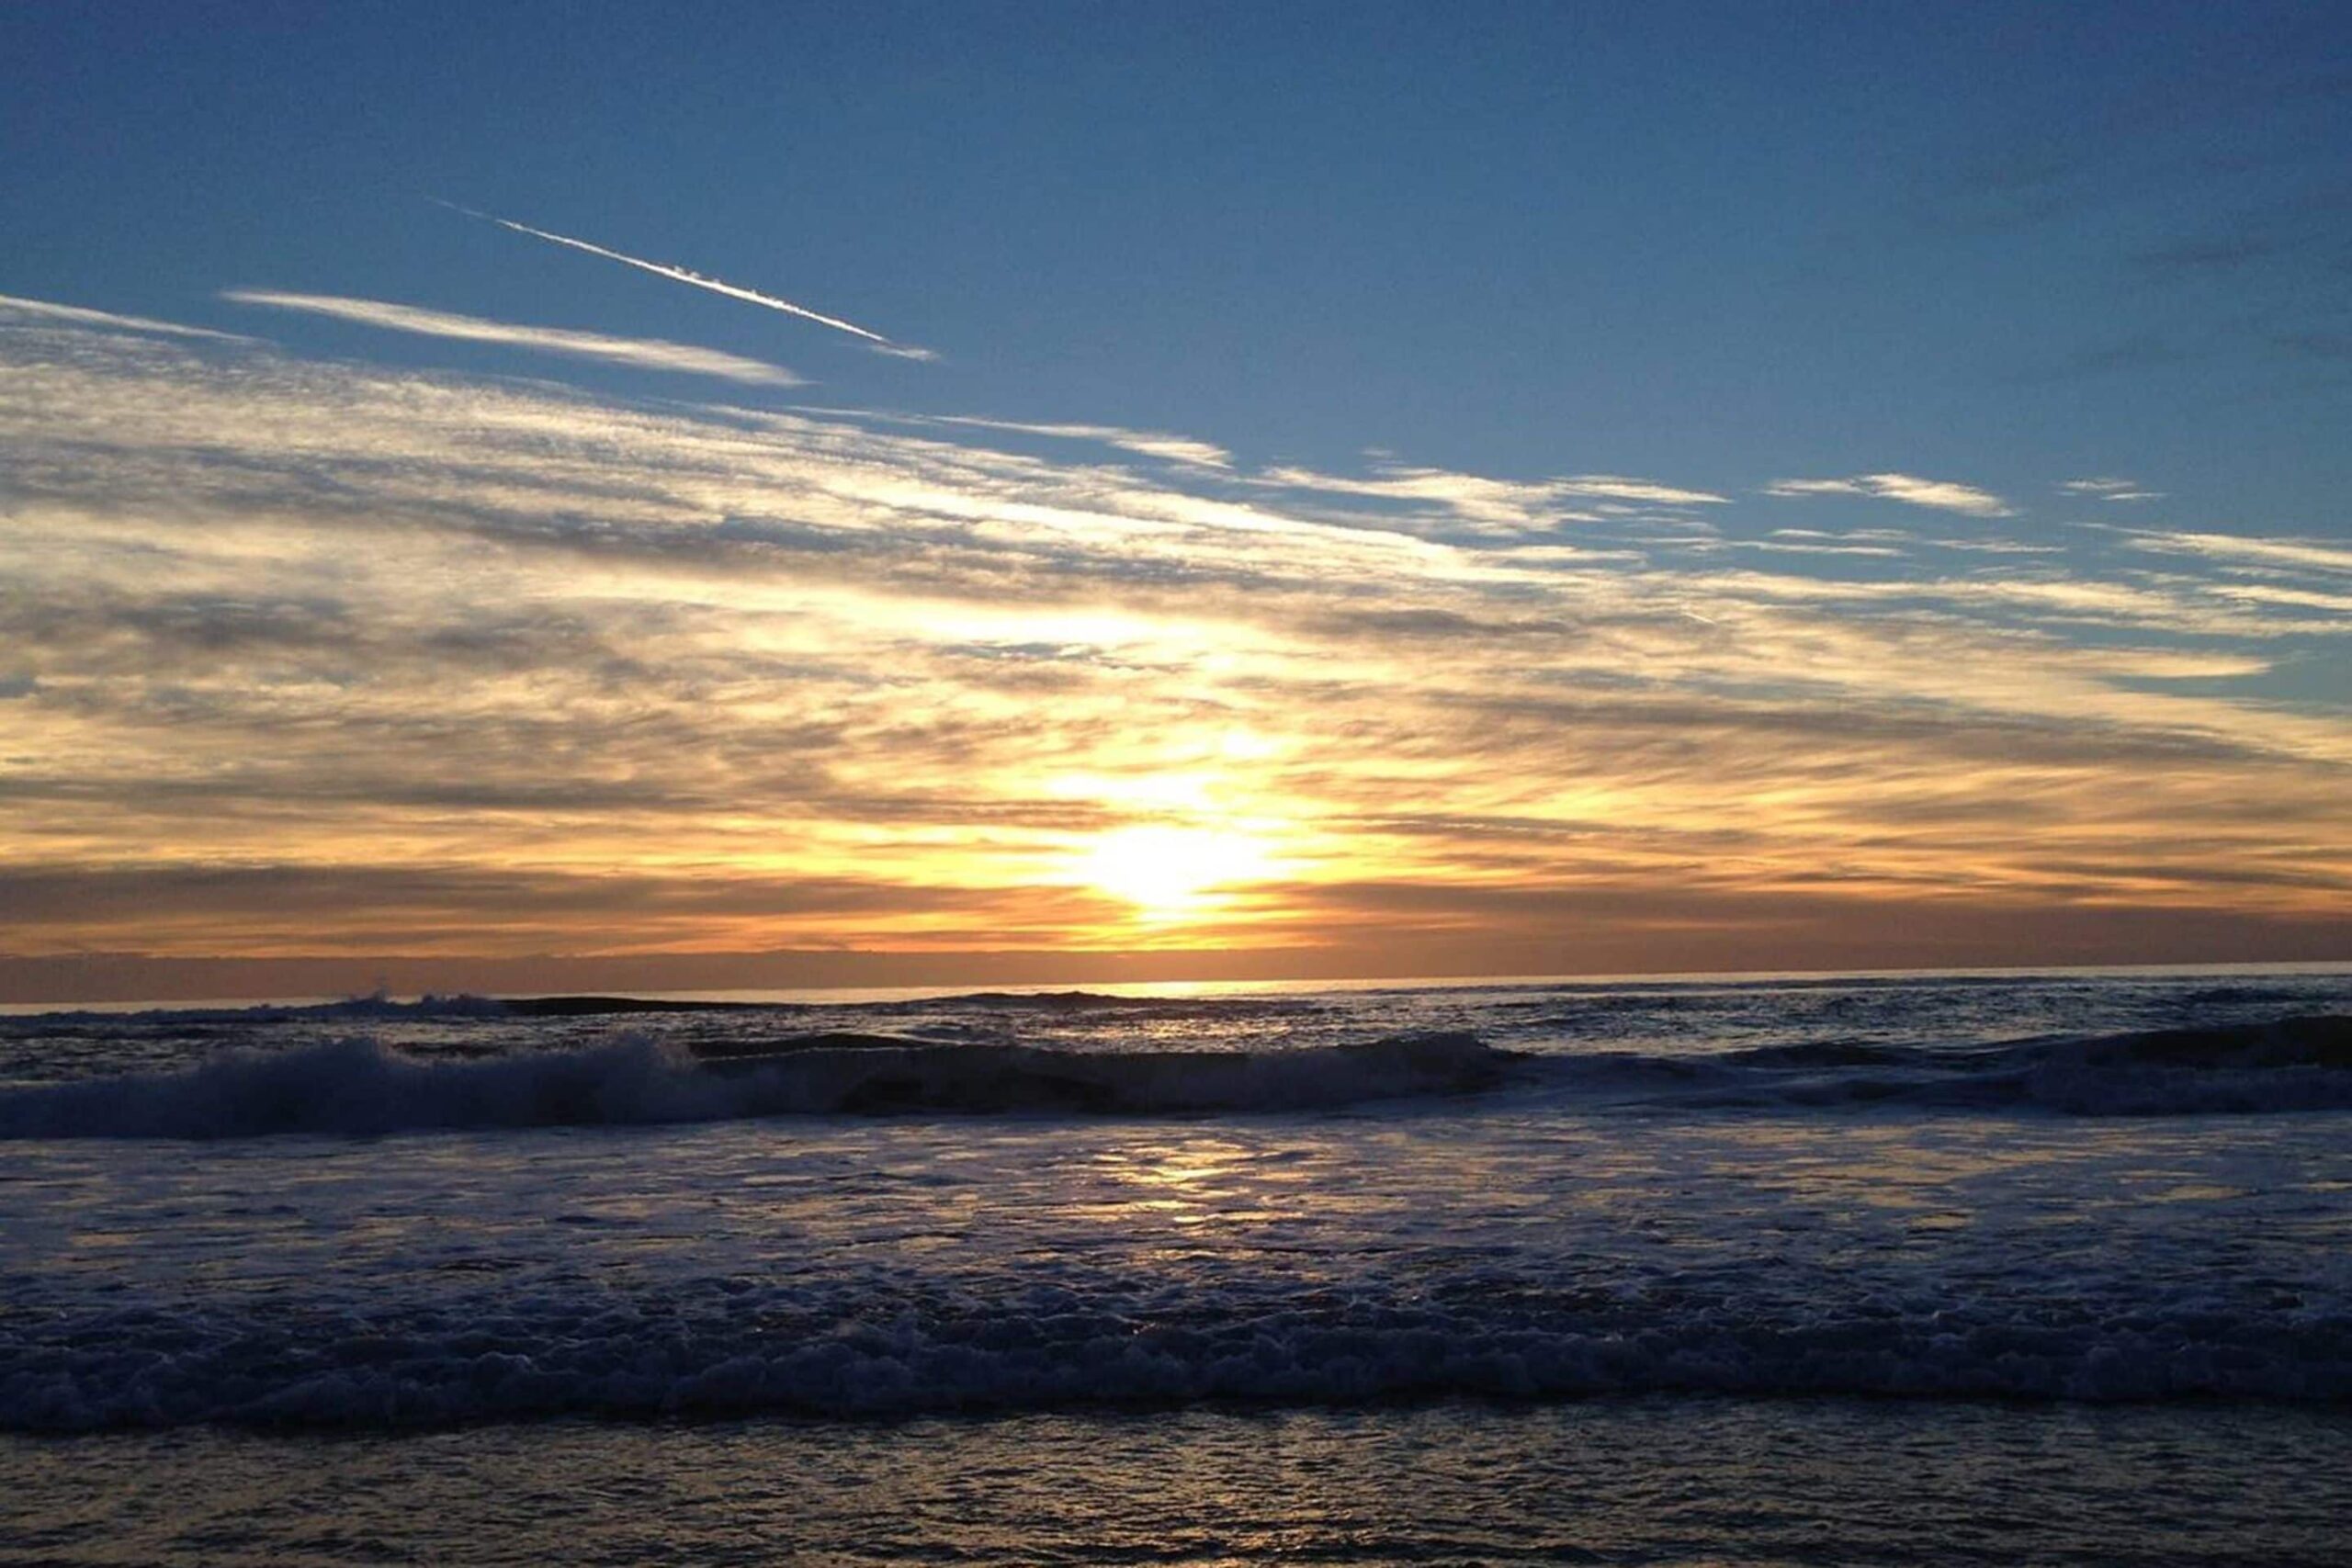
549	495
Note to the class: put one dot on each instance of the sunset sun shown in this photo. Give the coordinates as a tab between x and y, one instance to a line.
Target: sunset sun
1166	871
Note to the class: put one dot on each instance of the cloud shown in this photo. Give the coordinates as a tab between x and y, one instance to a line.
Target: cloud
2311	555
2113	490
640	353
1941	494
2298	598
43	311
680	275
1508	504
1786	547
1625	489
1996	546
1159	444
1145	443
674	677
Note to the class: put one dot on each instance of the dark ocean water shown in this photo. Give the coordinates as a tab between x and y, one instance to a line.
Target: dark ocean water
1908	1269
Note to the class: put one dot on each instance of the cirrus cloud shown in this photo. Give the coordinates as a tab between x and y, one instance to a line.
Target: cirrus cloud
1942	495
638	354
270	622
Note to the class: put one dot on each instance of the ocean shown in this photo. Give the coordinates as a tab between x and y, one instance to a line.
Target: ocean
1890	1269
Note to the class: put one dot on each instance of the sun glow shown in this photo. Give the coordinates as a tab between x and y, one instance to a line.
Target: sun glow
1168	873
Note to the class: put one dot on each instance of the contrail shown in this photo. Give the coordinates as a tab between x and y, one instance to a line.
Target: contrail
681	275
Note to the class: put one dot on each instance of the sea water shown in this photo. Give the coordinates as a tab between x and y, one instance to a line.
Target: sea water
1896	1268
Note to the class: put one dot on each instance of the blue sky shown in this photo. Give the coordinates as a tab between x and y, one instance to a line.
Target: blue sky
1447	482
2006	244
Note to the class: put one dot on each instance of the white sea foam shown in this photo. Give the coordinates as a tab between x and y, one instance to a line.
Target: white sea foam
725	1347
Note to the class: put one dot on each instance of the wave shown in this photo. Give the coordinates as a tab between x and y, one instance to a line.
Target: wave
357	1086
2288	1064
736	1346
2293	1064
371	1009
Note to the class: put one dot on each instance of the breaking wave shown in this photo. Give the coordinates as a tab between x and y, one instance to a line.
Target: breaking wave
358	1087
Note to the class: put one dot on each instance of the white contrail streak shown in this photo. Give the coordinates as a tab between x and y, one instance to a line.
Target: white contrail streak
717	286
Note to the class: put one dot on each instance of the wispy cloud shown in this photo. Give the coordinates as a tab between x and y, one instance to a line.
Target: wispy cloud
2306	553
1808	548
642	354
2110	489
717	286
1162	445
1996	546
43	310
1509	505
1145	443
1943	495
369	659
2298	598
